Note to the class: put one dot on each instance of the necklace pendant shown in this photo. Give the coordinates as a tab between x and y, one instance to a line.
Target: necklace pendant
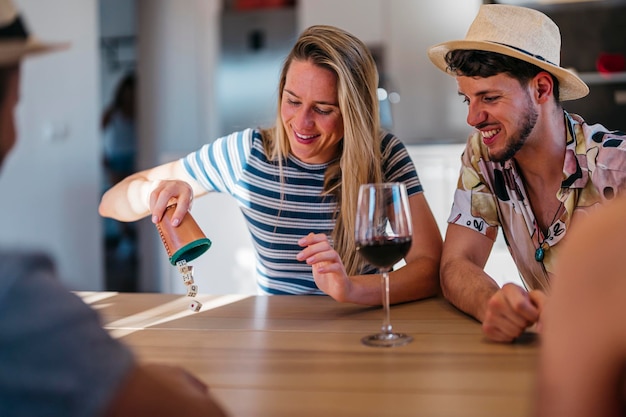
539	254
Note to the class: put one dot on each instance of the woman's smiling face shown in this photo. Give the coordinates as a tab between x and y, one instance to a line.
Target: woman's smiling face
310	112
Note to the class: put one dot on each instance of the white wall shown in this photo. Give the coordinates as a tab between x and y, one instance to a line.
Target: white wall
50	183
177	47
430	109
366	19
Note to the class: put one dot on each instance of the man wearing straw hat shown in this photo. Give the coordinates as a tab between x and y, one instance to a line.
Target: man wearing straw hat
55	358
529	167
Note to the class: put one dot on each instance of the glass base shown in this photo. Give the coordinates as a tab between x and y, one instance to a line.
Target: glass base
387	339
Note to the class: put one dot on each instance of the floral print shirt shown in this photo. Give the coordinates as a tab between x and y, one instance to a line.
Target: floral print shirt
491	194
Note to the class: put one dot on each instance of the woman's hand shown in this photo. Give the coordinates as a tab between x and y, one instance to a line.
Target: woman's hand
328	269
166	193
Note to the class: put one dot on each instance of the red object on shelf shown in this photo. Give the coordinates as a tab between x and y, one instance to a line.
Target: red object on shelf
609	63
262	4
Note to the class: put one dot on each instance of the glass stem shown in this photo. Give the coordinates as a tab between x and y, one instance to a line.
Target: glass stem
386	328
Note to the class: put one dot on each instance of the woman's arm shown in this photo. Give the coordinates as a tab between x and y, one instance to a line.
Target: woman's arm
151	191
419	278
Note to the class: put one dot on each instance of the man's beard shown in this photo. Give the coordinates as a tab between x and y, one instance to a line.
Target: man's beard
529	120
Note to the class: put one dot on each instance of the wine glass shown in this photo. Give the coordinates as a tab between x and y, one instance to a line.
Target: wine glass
383	232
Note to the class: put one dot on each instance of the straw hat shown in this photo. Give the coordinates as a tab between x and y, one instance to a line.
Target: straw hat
518	32
15	41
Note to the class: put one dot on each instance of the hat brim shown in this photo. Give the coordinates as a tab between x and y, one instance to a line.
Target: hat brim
12	52
571	87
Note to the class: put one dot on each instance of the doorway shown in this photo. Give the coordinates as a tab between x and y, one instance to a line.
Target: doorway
118	134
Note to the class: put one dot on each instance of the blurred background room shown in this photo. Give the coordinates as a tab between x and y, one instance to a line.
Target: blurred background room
205	68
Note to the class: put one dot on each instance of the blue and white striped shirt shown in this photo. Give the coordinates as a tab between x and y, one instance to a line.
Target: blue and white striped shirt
279	213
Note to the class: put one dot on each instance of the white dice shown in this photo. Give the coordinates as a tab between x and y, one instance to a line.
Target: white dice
192	290
195	305
186	273
187	278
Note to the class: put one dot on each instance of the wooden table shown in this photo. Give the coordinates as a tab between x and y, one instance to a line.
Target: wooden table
298	356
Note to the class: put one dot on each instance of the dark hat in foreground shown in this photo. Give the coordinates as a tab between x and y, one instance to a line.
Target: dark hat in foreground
15	41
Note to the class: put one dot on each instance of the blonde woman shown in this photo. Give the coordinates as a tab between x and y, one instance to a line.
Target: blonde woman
297	182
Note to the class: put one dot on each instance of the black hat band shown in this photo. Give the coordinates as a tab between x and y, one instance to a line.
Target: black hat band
15	30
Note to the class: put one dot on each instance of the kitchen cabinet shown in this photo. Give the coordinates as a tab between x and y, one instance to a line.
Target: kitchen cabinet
582	45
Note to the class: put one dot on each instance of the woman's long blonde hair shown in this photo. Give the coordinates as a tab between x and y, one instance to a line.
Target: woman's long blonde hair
359	161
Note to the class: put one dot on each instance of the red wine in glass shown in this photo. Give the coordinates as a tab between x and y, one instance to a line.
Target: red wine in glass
384	252
383	233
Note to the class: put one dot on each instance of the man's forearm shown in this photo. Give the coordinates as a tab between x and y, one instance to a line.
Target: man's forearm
467	287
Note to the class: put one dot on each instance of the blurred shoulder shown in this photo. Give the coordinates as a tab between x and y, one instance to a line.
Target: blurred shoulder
17	266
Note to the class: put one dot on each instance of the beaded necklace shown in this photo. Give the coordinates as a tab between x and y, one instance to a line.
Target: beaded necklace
543	246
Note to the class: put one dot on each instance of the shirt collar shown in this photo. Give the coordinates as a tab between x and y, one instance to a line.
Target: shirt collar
575	172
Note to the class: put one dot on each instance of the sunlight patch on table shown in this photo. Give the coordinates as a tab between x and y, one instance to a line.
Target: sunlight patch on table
170	311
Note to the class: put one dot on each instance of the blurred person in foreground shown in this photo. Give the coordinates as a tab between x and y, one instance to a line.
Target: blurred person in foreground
297	182
55	358
582	360
530	167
